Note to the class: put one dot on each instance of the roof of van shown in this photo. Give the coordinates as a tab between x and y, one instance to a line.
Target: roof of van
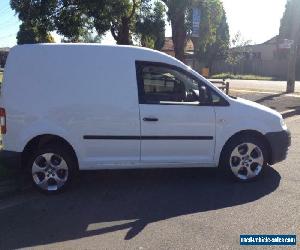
132	51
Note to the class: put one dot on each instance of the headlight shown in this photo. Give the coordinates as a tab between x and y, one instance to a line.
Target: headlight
282	123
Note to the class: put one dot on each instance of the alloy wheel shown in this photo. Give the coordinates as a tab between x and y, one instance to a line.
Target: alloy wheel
49	171
246	161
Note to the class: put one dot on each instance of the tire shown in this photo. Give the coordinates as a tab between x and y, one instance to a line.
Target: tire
52	168
244	158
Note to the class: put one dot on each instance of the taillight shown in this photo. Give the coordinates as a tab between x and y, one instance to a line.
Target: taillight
2	121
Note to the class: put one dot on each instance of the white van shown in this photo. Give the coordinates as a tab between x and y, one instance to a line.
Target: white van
74	107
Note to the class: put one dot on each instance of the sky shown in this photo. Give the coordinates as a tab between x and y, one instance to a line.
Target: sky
257	20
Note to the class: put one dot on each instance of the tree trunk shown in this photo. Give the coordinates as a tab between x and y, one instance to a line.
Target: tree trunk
210	66
178	34
124	33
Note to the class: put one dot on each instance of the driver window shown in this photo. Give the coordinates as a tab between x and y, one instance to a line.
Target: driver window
164	85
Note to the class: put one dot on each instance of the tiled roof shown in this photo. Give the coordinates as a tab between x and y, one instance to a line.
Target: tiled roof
169	46
273	40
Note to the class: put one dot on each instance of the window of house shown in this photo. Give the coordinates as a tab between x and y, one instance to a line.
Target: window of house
257	55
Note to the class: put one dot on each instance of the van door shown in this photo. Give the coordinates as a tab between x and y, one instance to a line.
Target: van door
177	118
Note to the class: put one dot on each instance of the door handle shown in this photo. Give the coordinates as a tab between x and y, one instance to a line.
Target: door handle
150	119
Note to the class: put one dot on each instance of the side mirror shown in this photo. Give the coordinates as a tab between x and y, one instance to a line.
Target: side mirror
202	93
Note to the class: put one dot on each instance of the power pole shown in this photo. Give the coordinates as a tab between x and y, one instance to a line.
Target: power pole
291	77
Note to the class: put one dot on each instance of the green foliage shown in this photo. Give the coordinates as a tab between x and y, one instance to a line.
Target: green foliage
241	77
118	16
213	42
85	36
290	28
150	25
26	34
239	46
35	12
77	20
29	34
90	37
290	22
36	17
70	20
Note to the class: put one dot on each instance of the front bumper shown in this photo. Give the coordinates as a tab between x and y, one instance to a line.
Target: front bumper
10	158
279	142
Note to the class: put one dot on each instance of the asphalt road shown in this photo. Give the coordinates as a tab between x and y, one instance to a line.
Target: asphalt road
161	209
158	209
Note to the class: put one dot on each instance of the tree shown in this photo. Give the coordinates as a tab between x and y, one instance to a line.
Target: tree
118	16
86	36
71	21
36	20
150	25
27	34
122	23
290	22
90	37
71	18
78	20
290	29
213	42
239	46
178	11
214	33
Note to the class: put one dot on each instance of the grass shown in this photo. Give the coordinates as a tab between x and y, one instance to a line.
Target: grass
242	77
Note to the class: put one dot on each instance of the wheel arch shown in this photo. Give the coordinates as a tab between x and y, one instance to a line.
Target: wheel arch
247	132
42	140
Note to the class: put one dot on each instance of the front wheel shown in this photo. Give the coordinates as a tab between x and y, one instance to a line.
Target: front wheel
52	169
245	158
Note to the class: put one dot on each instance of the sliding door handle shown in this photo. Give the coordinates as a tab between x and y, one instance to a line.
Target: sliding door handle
150	119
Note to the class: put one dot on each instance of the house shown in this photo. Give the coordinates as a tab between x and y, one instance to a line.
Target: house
168	48
3	56
265	59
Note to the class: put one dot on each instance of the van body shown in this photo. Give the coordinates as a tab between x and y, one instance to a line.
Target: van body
114	107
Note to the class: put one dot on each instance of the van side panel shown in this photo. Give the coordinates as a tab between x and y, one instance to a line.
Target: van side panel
75	92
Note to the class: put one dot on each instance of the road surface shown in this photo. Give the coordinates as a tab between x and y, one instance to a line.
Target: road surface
158	209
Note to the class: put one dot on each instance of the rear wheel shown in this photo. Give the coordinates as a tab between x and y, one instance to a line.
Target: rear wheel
52	168
245	158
